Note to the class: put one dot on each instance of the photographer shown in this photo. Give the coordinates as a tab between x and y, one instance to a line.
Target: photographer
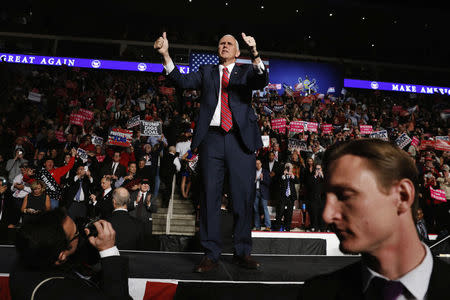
46	268
288	196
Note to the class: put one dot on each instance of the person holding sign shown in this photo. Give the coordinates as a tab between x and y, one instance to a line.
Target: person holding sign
227	136
370	198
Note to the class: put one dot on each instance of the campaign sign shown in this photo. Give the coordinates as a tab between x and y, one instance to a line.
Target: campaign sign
265	140
426	144
326	128
278	108
311	126
397	108
60	136
438	195
296	126
403	140
151	128
134	121
120	137
295	144
382	135
34	97
415	141
442	145
96	140
82	154
76	119
278	123
442	138
365	129
274	86
87	114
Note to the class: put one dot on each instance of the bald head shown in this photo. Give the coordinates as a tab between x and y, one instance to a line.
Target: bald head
121	198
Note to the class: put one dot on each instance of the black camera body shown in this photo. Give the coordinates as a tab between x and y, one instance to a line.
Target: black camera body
92	229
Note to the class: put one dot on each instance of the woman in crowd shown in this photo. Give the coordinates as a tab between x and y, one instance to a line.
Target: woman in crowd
36	202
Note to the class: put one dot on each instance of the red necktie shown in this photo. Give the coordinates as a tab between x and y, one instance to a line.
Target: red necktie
225	112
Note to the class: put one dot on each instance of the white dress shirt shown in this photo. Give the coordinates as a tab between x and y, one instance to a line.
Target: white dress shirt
415	281
258	173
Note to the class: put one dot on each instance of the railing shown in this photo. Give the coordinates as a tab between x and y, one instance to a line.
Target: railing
170	206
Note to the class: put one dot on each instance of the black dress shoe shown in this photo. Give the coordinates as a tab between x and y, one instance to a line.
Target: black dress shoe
246	262
205	265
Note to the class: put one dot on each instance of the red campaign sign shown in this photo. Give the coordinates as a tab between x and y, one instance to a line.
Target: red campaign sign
296	126
76	119
438	195
120	137
326	128
442	145
397	108
426	144
415	141
278	123
167	90
307	100
274	86
87	114
365	129
296	94
312	126
60	136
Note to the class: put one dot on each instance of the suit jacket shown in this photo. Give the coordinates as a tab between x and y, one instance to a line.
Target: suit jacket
346	283
284	185
129	231
107	169
114	274
243	79
141	211
264	184
104	206
72	190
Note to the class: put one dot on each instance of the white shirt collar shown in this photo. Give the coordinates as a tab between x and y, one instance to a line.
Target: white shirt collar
120	208
416	280
229	67
107	191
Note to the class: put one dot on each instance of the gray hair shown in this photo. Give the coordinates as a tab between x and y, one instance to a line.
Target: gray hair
237	43
121	197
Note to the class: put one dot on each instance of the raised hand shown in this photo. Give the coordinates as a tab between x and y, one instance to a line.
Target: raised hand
250	41
162	45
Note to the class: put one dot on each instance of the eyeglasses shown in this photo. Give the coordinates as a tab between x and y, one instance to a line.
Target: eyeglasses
77	235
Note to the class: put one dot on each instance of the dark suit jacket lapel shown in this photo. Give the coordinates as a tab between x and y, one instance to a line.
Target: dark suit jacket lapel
439	287
215	74
351	283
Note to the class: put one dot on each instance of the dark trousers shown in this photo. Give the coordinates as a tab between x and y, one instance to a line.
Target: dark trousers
285	208
220	152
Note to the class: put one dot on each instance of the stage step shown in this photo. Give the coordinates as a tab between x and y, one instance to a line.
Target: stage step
182	221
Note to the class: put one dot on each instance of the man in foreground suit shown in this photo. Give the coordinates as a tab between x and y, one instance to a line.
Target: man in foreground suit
46	269
227	136
370	196
129	230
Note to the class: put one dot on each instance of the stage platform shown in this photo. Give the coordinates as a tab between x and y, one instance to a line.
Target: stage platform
170	275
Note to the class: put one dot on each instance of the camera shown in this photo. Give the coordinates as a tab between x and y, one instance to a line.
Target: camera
90	225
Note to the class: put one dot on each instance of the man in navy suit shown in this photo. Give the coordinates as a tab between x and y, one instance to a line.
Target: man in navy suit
227	136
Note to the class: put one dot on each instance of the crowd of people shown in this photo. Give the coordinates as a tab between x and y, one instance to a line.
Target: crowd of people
41	168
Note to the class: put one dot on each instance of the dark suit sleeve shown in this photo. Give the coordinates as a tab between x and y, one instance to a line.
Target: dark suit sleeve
152	208
115	277
187	81
257	81
266	178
